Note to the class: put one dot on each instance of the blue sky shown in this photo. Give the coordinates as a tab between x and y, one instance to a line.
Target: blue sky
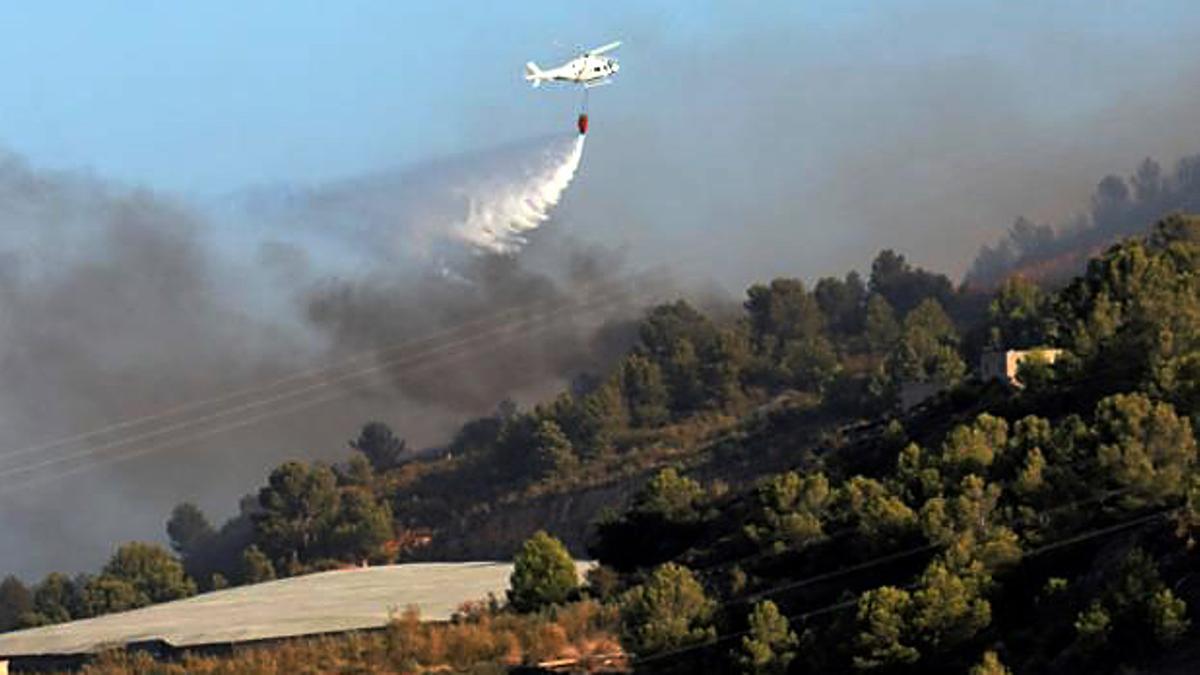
209	96
201	99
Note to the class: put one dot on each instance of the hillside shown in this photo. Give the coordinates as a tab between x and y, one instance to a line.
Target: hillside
1119	207
758	499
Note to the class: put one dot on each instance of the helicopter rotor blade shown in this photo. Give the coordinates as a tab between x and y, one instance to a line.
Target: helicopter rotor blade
602	49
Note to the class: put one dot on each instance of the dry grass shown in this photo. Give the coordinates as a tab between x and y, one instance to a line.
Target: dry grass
478	640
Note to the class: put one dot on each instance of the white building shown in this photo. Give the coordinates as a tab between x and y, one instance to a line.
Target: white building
314	604
1003	365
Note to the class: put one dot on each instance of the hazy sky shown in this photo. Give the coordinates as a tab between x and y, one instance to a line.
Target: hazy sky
728	117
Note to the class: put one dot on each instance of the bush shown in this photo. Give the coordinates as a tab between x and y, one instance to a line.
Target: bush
669	610
543	574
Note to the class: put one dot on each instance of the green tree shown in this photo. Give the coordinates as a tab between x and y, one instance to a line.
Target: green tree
949	607
882	639
970	525
1187	520
255	566
1015	315
842	302
15	601
357	472
674	336
770	646
1031	478
380	445
723	366
362	527
990	664
152	571
1138	599
106	594
880	516
600	415
543	574
809	364
667	325
670	496
669	610
928	347
1092	627
1167	615
662	520
880	329
1032	432
555	454
791	510
917	475
682	370
903	286
783	311
1144	446
298	505
972	448
56	598
1132	321
645	392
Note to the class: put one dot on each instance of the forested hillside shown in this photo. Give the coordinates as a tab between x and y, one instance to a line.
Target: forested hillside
1120	206
760	501
1049	528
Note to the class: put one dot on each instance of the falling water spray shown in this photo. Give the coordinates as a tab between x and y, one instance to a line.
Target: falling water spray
500	212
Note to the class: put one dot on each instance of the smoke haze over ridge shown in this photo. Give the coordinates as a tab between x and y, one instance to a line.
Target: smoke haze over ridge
790	141
799	149
118	303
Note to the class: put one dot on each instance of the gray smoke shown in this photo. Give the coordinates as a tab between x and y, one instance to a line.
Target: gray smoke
1119	207
928	129
117	304
797	149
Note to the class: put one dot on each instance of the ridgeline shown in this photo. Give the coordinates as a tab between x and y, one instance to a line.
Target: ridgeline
822	483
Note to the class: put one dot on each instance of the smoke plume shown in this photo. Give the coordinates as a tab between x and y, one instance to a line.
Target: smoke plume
1118	207
120	305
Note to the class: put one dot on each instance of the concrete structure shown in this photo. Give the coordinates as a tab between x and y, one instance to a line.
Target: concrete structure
1003	365
328	602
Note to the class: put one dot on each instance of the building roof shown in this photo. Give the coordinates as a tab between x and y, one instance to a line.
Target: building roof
327	602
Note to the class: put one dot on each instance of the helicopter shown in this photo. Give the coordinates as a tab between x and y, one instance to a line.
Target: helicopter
589	69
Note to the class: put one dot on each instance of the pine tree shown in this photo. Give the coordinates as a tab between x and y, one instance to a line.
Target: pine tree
770	646
669	610
645	392
555	454
543	574
255	566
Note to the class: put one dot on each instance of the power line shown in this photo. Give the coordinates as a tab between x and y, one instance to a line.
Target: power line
295	377
828	609
907	553
468	345
829	536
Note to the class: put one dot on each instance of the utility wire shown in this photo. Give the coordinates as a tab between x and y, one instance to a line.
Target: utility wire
828	609
900	555
829	536
295	377
421	360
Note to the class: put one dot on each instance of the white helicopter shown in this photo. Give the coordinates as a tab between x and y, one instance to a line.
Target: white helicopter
589	69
